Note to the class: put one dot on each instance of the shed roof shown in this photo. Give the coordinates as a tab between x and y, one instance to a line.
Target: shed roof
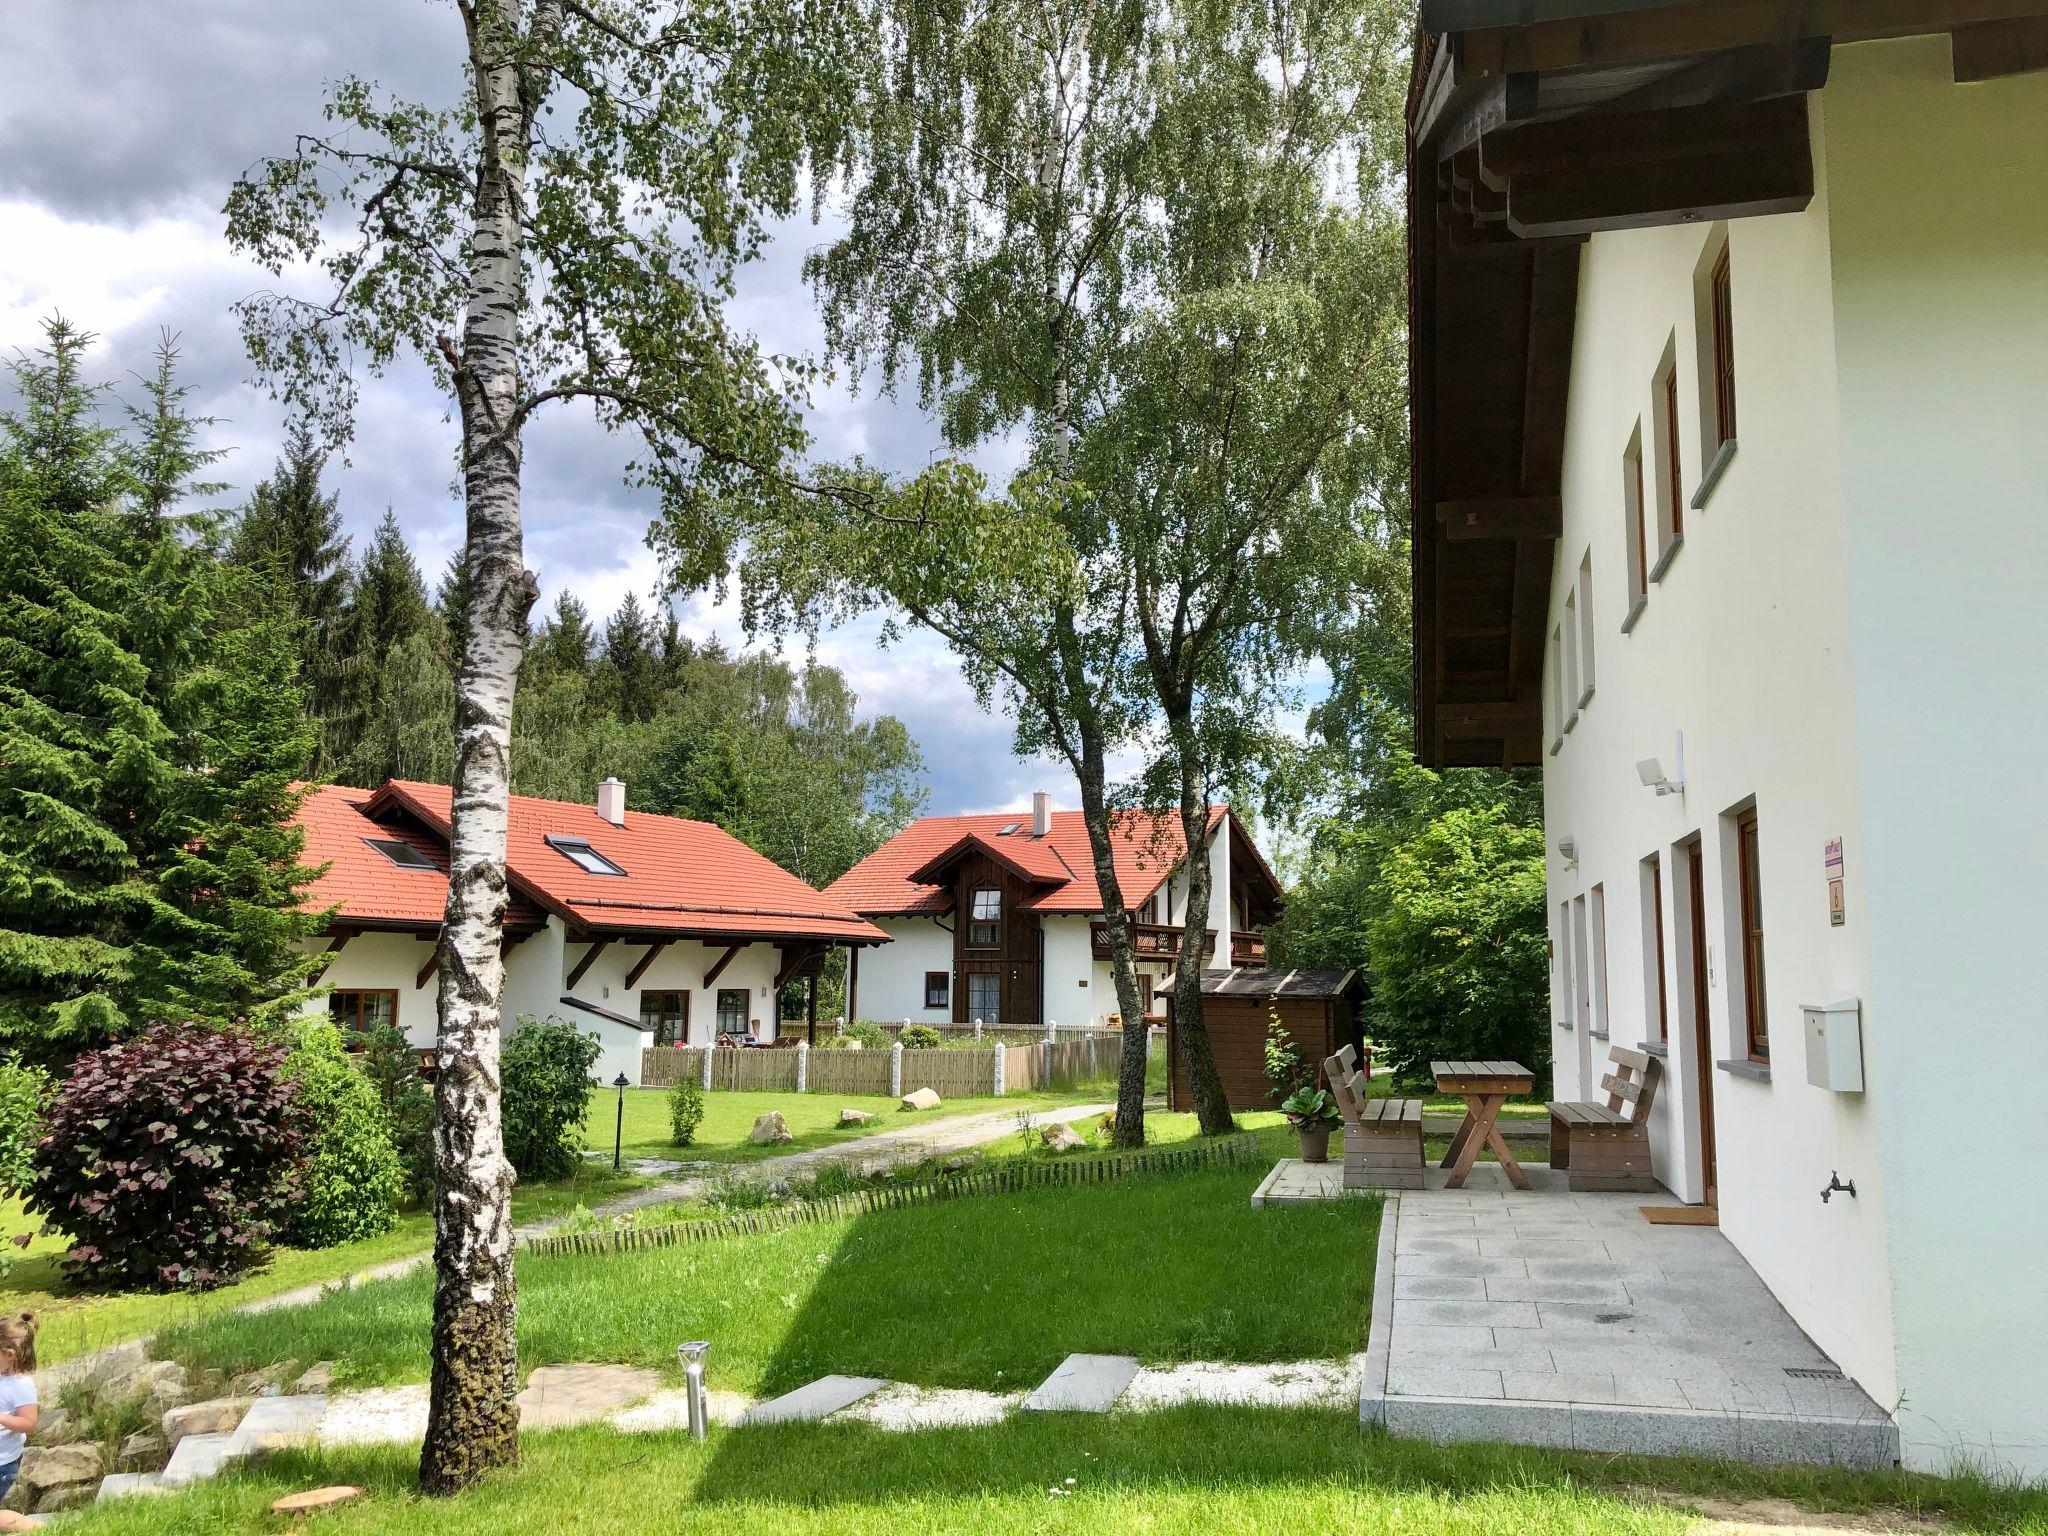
1277	984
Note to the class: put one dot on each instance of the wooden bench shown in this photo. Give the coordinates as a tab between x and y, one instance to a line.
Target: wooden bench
1382	1137
1607	1146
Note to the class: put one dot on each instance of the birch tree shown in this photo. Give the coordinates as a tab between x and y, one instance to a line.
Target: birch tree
560	230
1158	242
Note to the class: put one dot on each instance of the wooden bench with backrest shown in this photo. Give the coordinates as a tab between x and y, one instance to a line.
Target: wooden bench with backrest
1382	1137
1607	1146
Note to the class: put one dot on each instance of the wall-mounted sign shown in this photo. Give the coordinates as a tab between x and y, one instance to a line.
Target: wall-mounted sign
1838	910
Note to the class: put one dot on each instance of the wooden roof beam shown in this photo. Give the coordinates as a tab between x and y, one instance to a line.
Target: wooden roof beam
1653	194
1594	143
719	965
1993	50
640	966
589	959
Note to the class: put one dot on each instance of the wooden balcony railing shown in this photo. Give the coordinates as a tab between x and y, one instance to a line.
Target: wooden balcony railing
1150	941
1248	951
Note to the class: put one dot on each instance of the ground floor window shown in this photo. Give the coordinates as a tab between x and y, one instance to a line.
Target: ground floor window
1756	1016
938	989
985	997
732	1010
666	1015
364	1010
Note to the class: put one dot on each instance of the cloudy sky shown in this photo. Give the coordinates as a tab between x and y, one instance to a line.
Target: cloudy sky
122	125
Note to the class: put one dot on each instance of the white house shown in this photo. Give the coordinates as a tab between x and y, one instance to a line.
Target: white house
639	929
999	917
1730	370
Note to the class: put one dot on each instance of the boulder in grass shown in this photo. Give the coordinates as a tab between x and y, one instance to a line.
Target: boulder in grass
315	1499
1063	1138
854	1117
59	1476
921	1098
317	1381
770	1129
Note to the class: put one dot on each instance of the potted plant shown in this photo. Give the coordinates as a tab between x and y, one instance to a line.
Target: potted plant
1313	1114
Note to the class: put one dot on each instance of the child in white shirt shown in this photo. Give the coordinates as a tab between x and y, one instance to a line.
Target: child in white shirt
17	1407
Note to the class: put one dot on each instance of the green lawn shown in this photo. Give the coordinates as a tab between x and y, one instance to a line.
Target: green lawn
1184	1472
72	1322
985	1291
813	1119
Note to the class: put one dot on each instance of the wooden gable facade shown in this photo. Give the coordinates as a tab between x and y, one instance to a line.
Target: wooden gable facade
998	966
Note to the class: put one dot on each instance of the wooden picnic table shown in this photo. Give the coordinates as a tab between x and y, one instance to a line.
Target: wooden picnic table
1485	1086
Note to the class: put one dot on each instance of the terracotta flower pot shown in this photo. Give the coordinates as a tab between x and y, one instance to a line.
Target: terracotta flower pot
1315	1143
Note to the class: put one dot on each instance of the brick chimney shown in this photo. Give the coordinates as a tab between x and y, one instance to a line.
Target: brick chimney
1041	814
611	801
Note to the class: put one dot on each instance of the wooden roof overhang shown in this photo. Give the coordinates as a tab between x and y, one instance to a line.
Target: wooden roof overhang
1533	125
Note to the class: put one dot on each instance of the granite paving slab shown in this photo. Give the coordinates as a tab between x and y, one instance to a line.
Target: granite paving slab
1083	1384
199	1456
814	1400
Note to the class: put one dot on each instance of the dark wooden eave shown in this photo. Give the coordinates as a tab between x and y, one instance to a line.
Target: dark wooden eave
1532	126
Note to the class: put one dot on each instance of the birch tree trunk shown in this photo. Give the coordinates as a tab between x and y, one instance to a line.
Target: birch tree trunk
472	1421
1191	1032
1129	1127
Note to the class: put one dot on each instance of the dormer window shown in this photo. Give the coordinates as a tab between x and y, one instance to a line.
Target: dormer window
403	854
577	851
985	918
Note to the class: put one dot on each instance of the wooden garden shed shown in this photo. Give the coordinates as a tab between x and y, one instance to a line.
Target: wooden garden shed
1318	1009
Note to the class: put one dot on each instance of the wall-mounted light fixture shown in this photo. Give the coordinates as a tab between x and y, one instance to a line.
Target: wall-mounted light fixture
1651	771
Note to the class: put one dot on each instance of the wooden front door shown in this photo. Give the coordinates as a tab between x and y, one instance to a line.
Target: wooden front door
1702	1026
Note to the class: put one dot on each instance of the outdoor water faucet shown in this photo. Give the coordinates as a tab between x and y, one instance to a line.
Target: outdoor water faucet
1837	1187
692	1355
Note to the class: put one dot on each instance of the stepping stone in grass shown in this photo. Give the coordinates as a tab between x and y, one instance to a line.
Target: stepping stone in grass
314	1499
119	1485
828	1394
557	1396
198	1456
1084	1384
272	1423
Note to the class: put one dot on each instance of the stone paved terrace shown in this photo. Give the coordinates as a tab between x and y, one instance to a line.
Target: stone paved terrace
1549	1318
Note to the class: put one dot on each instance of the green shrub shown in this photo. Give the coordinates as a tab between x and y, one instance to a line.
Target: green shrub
921	1037
685	1109
171	1157
544	1096
392	1064
24	1100
1458	964
353	1181
1286	1069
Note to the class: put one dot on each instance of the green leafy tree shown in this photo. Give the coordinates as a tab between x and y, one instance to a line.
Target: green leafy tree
563	226
1458	949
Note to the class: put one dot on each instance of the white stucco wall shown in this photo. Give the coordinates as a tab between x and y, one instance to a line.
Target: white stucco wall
892	977
1940	238
1069	962
1743	645
1850	639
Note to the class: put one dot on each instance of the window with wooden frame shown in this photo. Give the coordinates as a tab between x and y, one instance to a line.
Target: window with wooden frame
403	854
1563	952
732	1010
1721	304
1558	712
1635	527
985	918
666	1015
1586	629
1756	1016
938	989
1571	657
1597	909
1667	461
985	996
1657	1015
364	1008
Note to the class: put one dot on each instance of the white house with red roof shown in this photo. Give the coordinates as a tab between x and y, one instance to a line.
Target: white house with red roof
999	917
639	929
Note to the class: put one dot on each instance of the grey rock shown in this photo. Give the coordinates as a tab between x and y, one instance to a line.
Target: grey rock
316	1381
770	1129
216	1416
854	1117
199	1456
119	1485
142	1381
1063	1138
70	1496
45	1469
51	1425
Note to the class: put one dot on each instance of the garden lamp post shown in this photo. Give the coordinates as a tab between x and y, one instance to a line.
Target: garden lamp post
692	1357
619	1129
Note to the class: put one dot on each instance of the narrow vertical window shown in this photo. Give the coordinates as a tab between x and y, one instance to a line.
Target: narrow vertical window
1756	1016
1564	964
1598	896
1586	630
1638	519
1571	658
1558	711
1657	1016
1674	489
1723	309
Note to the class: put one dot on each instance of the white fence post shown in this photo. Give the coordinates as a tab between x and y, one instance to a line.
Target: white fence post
977	1032
707	1069
1001	1051
1052	1031
803	1065
896	1070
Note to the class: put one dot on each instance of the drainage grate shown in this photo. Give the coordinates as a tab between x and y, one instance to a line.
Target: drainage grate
1613	1317
1814	1372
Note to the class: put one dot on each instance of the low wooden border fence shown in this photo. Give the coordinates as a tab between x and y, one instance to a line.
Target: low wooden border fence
1236	1151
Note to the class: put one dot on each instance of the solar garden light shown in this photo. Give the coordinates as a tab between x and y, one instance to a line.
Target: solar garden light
622	1083
692	1356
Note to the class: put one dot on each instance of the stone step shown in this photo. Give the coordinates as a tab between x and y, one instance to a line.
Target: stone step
119	1485
272	1423
828	1394
1084	1384
199	1456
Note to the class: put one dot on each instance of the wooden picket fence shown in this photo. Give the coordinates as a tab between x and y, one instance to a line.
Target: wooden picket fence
952	1074
1238	1151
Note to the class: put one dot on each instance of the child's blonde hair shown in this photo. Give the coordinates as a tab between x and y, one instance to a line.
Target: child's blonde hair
18	1338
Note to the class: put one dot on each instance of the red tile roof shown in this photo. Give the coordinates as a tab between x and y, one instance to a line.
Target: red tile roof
686	878
370	890
1146	847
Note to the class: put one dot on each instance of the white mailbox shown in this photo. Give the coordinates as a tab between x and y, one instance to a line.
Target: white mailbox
1834	1045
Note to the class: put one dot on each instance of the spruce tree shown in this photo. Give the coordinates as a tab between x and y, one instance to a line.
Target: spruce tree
632	668
566	642
386	606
